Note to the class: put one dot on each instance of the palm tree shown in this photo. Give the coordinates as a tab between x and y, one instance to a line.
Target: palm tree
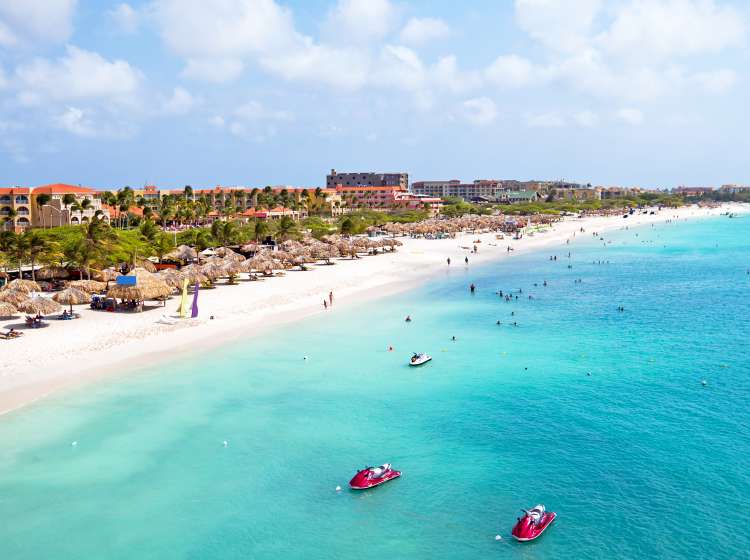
97	238
67	200
7	245
287	227
9	219
188	192
20	250
37	246
261	230
41	201
254	196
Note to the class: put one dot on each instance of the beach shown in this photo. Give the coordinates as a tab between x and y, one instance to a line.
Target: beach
99	344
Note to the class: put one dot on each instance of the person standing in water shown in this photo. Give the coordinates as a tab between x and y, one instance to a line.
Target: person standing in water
448	260
466	260
325	304
472	288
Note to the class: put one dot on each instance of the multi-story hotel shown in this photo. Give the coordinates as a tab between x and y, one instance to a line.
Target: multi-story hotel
386	198
367	179
15	209
479	189
56	212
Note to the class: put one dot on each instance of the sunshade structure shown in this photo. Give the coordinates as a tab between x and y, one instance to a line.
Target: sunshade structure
23	286
146	265
7	310
147	286
51	272
89	286
194	274
227	254
182	253
39	305
14	297
106	275
172	277
72	296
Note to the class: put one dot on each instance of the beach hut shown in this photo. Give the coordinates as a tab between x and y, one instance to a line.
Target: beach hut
39	305
139	286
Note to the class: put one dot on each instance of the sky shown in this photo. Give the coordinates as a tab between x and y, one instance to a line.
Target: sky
645	93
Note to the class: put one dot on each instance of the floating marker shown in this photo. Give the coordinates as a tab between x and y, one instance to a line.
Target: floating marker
338	488
74	444
225	443
704	382
498	538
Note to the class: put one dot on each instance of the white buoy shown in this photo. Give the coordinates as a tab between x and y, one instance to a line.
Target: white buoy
74	444
338	488
704	382
498	538
226	443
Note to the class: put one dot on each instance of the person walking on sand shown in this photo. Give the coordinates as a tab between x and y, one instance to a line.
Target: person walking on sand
325	304
466	260
449	261
330	298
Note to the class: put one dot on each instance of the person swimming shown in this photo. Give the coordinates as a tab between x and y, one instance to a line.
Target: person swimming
408	319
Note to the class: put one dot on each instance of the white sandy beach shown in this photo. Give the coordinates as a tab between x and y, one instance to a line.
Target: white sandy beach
68	353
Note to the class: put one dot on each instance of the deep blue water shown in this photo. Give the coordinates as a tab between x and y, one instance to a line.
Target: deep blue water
638	458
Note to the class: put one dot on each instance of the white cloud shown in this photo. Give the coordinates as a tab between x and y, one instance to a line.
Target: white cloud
254	110
125	17
630	116
716	81
76	121
361	21
561	25
79	74
510	71
180	103
419	31
218	121
586	119
545	120
660	29
480	111
224	28
25	22
215	70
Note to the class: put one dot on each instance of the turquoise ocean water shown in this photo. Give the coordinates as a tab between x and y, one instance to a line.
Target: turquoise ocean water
638	458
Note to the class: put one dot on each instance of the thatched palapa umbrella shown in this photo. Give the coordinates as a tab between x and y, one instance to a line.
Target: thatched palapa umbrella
23	286
50	272
194	274
89	286
182	253
72	296
39	305
14	297
146	265
7	310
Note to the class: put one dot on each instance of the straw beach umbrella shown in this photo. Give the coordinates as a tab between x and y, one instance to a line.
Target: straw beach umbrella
14	297
23	285
146	265
39	305
106	275
7	310
182	253
194	274
89	286
148	286
50	272
72	296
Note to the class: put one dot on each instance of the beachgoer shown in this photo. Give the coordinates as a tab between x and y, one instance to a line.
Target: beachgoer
449	261
472	288
330	297
390	348
466	260
408	319
453	338
325	304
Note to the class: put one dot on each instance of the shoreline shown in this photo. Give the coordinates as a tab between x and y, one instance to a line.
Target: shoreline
100	345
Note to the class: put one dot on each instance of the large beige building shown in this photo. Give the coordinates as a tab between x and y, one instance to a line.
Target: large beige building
15	209
57	213
367	179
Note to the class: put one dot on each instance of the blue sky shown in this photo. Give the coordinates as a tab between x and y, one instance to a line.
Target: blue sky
256	92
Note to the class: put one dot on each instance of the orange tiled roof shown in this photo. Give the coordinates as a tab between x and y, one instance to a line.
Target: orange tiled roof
15	190
62	188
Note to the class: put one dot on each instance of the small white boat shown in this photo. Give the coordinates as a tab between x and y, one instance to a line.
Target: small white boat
419	358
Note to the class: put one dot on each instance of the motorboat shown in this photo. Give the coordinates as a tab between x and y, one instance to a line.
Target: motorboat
419	358
369	477
533	523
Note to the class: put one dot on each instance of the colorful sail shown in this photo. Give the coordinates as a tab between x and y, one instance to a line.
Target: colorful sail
183	300
195	301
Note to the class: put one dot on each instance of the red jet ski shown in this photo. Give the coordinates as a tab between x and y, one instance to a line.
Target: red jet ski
533	523
369	477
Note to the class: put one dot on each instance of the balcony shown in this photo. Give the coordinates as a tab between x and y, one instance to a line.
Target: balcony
22	200
4	200
23	212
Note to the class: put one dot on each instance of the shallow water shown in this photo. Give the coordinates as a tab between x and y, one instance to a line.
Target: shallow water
638	458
